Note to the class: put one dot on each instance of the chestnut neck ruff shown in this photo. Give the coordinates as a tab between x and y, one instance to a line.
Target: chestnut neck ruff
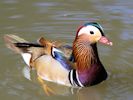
85	53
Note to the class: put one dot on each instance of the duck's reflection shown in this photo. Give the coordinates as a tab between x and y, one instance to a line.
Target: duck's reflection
90	93
52	89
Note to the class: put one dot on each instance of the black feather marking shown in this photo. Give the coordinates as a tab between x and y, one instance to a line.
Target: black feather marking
72	58
75	77
69	77
27	45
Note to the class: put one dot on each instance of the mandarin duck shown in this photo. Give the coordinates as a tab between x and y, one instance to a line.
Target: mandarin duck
80	67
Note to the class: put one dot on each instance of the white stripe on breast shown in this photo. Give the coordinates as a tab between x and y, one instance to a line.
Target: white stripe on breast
71	77
79	80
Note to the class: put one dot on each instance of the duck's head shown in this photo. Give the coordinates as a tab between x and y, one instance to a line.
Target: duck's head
94	33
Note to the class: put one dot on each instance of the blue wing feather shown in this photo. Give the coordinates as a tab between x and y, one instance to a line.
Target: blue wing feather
59	56
71	58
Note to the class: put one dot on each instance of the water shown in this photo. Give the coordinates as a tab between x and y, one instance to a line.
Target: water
58	20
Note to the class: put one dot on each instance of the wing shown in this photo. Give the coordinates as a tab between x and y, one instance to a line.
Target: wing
59	56
67	50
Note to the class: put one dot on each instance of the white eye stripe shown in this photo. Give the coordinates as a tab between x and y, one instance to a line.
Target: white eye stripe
88	29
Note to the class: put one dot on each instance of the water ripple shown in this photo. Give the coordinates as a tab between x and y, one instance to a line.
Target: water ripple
45	4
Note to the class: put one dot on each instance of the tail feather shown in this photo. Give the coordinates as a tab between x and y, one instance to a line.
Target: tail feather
27	45
12	40
29	51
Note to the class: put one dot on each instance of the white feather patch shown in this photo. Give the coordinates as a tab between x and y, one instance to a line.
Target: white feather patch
55	50
26	57
87	29
60	82
26	72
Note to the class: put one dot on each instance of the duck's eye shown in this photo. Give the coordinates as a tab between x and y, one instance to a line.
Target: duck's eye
91	32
